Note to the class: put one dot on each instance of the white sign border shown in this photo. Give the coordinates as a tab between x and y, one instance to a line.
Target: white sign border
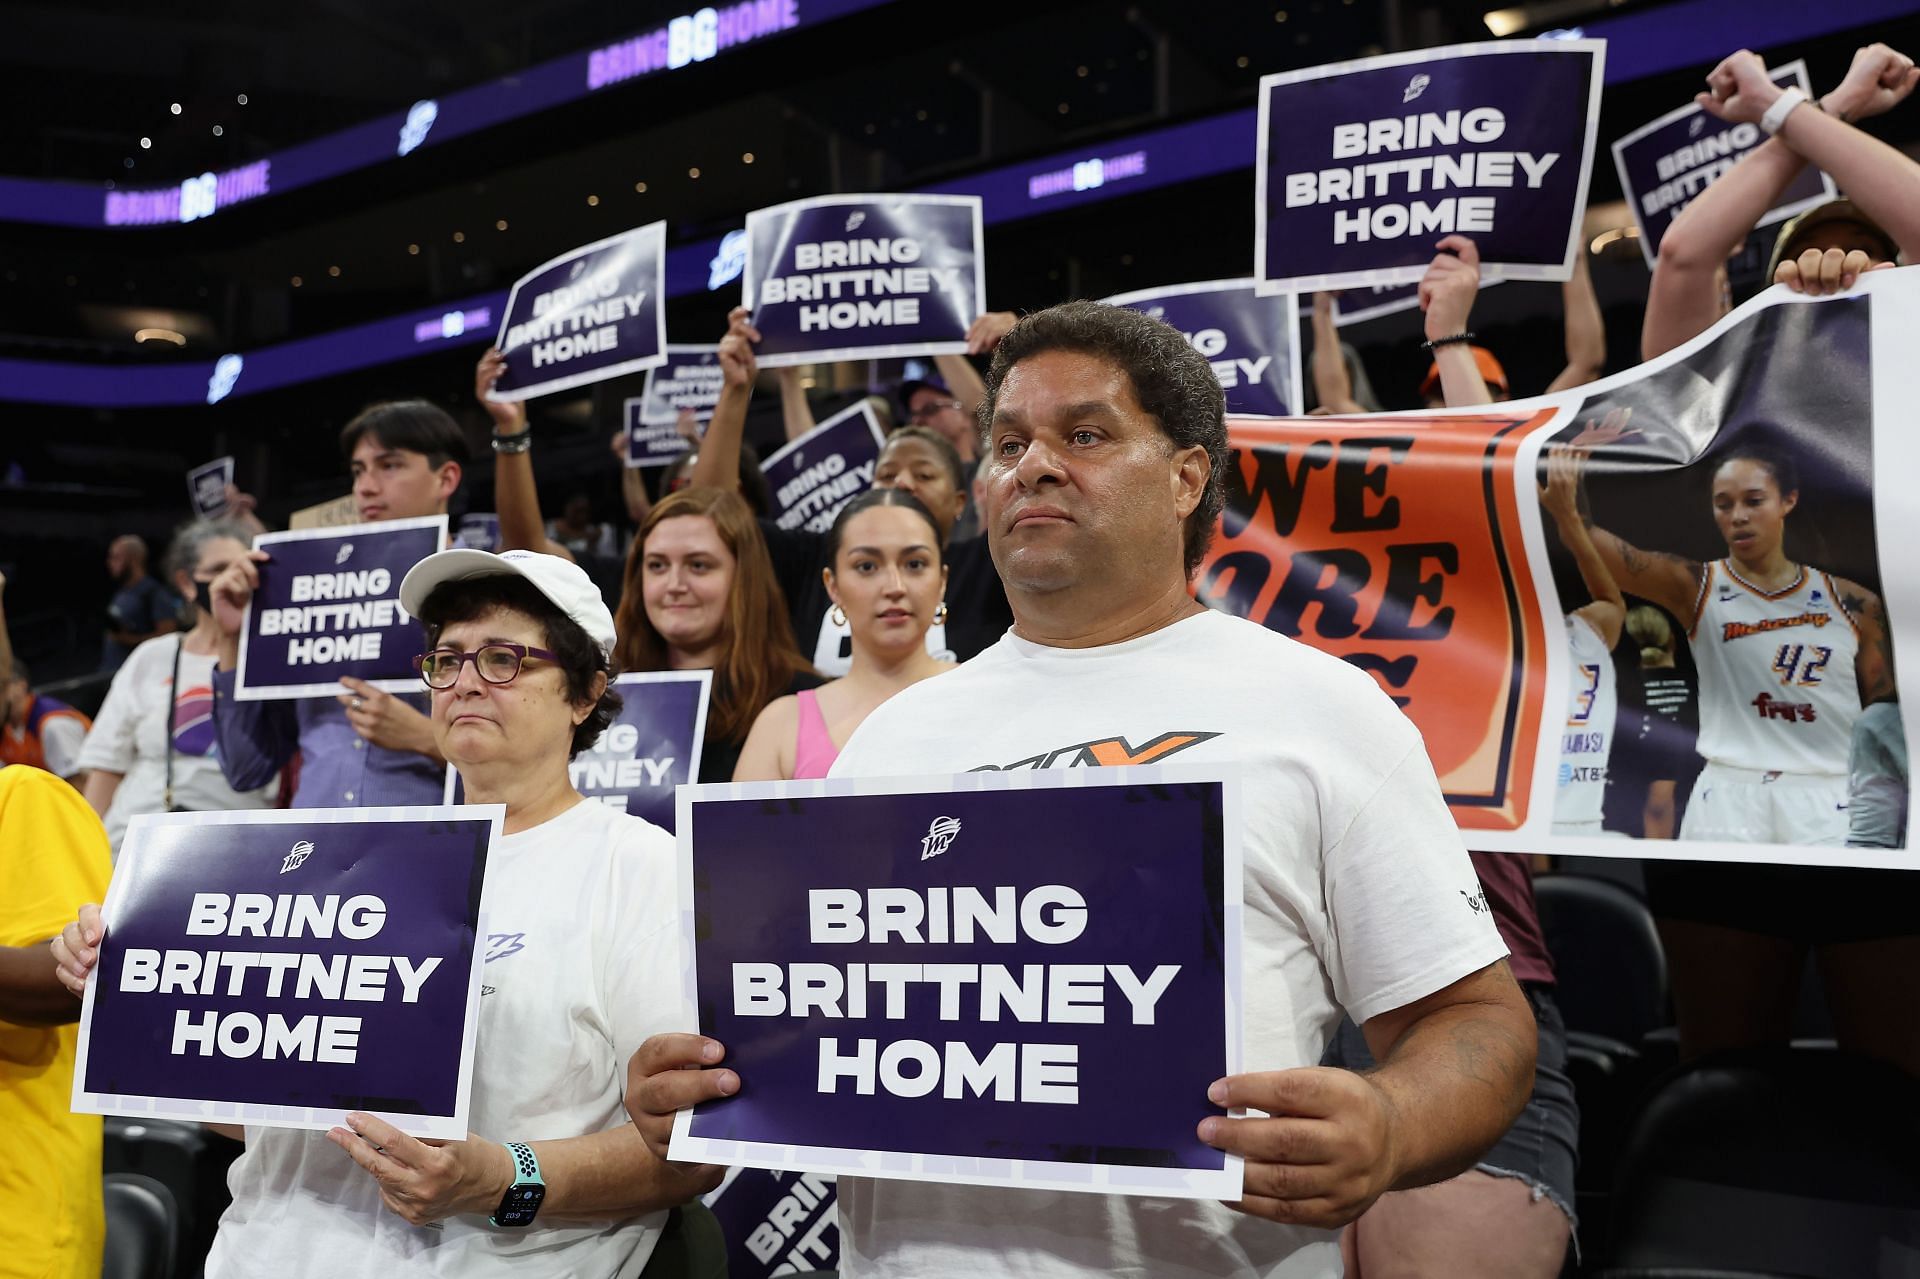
1224	1183
1596	49
657	232
1296	387
201	1110
629	679
221	466
244	692
790	359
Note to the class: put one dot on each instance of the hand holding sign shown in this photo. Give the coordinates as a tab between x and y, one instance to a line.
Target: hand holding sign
1820	273
1323	1157
1451	284
668	1074
509	416
422	1182
986	331
385	720
738	364
231	592
77	949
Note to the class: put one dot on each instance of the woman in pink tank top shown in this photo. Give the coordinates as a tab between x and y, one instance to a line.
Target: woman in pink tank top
887	579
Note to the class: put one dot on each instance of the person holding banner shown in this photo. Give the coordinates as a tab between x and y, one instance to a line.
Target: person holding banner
152	747
1687	293
700	595
913	459
1105	475
579	901
366	747
887	581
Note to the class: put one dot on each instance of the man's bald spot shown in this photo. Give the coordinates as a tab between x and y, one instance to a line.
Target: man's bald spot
133	544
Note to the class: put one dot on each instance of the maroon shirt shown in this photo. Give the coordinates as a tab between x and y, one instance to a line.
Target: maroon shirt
1509	888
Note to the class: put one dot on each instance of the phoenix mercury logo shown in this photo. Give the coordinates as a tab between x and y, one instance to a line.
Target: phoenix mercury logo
344	553
854	219
939	837
297	857
1104	752
1416	87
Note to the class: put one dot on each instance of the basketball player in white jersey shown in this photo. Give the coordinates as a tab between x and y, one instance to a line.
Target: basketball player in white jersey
1593	631
1787	653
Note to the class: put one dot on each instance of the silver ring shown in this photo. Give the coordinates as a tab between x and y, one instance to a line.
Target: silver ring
359	703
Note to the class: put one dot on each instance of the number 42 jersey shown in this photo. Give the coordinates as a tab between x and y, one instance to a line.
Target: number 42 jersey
1777	685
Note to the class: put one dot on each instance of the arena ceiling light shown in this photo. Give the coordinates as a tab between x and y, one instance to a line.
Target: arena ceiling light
160	335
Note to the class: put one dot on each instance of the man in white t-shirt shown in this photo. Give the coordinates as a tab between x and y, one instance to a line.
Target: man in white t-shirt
1102	485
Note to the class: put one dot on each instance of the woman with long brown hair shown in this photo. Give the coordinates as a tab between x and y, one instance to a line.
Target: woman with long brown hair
699	594
698	590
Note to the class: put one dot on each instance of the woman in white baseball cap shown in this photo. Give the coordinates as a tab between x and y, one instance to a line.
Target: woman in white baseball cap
582	965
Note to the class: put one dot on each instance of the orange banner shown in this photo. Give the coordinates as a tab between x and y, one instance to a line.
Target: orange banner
1326	538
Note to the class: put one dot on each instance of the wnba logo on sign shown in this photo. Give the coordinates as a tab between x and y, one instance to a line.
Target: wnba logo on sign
939	837
301	851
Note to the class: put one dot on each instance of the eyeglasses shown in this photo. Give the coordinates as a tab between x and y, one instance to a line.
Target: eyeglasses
497	663
931	409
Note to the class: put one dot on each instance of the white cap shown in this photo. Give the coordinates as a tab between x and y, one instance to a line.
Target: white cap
561	581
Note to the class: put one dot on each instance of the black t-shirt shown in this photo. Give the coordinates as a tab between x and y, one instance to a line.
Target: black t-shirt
718	757
977	610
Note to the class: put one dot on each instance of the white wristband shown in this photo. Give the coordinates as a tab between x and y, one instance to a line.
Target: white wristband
1776	117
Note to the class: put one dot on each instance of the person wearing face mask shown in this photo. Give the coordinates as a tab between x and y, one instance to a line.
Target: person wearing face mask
152	748
917	459
366	746
887	582
700	594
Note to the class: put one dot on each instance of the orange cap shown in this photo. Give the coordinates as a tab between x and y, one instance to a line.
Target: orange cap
1490	371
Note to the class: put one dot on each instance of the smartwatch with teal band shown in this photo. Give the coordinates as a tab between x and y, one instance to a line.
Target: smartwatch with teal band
524	1196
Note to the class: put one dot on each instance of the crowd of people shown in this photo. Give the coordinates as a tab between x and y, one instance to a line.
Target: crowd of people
1017	580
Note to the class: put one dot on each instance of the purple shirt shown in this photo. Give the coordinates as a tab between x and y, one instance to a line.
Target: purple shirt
338	767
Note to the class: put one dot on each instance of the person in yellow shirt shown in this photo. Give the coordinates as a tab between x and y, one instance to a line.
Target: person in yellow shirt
53	857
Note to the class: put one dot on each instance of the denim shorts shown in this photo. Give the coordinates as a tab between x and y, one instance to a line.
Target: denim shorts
1542	1146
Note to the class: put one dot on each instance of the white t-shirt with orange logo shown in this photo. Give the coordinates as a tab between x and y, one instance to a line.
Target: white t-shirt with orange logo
1358	891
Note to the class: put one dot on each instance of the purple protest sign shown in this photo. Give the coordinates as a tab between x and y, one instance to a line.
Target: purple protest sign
1364	165
812	477
777	1223
1023	979
689	381
479	530
851	277
207	487
329	606
588	315
1665	164
1251	340
284	967
1354	306
652	746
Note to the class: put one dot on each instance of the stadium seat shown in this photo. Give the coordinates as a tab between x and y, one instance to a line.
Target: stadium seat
691	1246
143	1224
188	1160
1608	962
1782	1162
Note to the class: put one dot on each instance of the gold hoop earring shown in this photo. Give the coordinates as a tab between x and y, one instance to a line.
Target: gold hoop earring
838	615
940	614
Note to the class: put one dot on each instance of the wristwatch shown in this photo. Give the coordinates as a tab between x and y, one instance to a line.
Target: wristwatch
524	1196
